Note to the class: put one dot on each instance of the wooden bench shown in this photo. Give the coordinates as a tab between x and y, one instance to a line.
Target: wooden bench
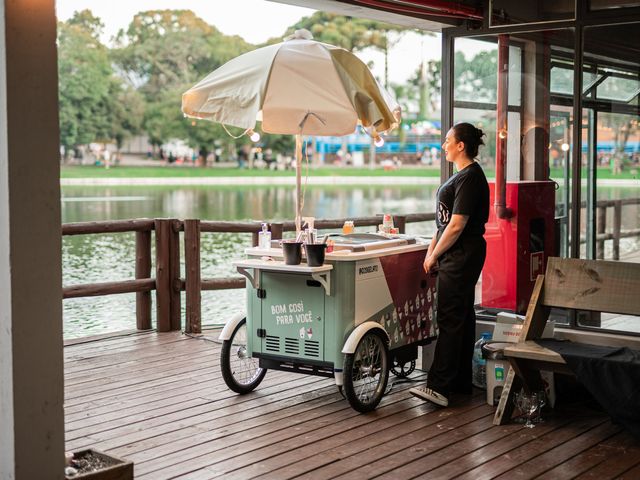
593	285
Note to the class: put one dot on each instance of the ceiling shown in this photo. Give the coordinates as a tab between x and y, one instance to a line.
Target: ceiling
432	15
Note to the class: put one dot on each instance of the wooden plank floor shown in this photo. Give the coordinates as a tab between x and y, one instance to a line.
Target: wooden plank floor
159	400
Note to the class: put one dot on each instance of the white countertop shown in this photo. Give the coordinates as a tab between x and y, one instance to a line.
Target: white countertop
276	265
341	255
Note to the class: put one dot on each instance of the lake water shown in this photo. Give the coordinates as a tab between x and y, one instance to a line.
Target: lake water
103	258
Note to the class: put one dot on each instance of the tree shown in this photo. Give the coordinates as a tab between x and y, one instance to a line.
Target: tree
622	126
164	49
84	76
353	34
126	112
162	54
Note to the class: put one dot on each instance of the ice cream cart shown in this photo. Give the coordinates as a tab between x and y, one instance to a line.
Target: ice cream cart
361	314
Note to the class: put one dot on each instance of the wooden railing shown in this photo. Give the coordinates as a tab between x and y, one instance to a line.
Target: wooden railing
616	232
167	282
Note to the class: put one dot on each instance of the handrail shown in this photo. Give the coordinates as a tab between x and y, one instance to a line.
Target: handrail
167	282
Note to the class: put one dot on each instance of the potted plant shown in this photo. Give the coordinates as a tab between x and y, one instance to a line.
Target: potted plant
92	464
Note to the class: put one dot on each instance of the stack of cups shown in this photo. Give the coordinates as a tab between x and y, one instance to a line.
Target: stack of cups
387	223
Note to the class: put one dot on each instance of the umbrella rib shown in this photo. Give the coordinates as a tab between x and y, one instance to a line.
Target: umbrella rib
306	117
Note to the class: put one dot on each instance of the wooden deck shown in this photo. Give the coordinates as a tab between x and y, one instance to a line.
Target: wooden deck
159	400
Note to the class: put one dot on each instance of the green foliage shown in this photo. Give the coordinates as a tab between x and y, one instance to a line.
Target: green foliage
136	87
163	53
95	105
165	49
84	75
476	79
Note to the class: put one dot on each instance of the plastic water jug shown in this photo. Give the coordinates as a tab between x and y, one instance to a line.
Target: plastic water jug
479	364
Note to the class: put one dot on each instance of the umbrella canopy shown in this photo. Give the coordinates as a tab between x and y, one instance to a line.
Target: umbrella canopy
298	87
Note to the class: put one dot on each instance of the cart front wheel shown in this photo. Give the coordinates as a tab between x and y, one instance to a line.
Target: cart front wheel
240	372
366	372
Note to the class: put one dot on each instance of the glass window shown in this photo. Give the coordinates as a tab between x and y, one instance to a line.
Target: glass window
606	4
562	78
620	87
611	155
508	12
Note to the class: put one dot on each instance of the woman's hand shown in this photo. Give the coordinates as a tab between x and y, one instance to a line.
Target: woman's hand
430	264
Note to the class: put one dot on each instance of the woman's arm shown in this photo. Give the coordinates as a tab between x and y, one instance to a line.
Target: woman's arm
449	236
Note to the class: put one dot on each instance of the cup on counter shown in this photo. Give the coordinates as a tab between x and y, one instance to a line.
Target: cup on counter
292	252
315	253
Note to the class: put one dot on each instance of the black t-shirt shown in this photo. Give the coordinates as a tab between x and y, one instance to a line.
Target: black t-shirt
465	193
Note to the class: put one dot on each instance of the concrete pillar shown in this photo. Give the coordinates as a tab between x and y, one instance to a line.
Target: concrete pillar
31	364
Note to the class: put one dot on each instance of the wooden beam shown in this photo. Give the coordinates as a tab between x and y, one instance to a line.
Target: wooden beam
163	278
143	271
193	322
174	273
110	226
109	288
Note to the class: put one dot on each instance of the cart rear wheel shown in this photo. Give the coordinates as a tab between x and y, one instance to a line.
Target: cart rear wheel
240	372
403	370
366	372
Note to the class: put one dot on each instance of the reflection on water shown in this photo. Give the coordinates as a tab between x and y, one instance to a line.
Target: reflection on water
111	257
103	258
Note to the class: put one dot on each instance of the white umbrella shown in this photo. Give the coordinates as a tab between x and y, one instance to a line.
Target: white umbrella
298	87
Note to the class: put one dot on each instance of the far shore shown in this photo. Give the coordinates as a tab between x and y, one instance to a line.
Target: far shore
183	175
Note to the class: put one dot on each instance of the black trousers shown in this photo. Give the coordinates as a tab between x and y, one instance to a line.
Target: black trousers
458	272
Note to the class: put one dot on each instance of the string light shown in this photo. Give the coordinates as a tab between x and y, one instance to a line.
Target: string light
254	136
502	133
378	141
564	147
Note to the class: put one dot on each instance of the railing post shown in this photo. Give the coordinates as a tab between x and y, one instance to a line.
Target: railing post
255	237
143	270
163	276
174	272
400	222
617	225
601	223
276	231
193	322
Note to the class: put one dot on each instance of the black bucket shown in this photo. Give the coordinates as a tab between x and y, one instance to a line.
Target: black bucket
292	252
315	253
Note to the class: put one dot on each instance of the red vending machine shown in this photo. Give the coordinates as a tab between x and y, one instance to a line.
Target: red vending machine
518	246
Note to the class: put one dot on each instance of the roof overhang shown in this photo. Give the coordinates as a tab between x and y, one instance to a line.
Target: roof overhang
432	15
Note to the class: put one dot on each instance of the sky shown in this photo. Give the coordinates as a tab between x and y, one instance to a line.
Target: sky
255	21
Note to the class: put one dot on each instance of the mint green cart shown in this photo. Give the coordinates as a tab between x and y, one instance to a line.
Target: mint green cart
362	314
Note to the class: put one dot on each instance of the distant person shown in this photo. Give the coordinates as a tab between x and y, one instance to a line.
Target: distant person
243	155
457	253
267	156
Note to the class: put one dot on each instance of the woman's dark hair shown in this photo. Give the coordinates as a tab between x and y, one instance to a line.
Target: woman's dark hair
470	136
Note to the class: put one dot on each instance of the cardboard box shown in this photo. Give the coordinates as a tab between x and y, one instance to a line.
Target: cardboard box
509	326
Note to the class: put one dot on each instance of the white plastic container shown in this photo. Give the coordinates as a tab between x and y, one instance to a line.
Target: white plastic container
264	237
479	364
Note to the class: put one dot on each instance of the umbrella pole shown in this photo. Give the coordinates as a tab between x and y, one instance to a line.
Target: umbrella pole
298	184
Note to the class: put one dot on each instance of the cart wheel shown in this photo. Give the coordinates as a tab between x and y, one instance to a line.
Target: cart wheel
366	372
403	370
241	373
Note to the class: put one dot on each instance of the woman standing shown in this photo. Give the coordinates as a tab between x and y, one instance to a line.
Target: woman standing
457	252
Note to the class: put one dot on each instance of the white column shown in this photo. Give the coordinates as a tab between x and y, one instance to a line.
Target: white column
31	366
